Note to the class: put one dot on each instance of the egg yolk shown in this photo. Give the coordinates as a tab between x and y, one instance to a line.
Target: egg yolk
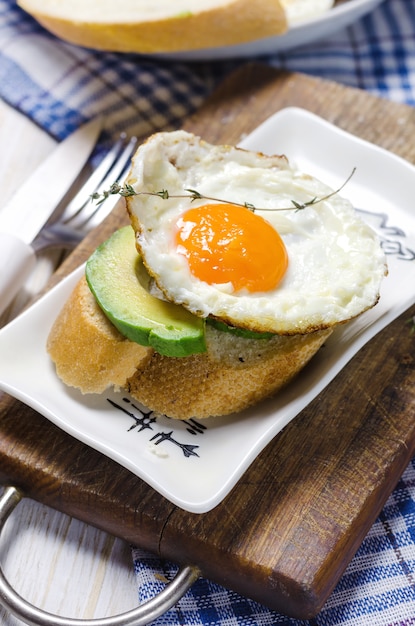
226	243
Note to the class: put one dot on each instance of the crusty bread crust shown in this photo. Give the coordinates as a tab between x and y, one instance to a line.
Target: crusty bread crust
226	22
90	354
88	351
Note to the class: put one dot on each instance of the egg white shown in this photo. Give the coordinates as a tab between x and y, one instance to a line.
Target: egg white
335	265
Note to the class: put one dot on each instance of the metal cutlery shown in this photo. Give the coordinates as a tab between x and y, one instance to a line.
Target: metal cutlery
33	204
82	214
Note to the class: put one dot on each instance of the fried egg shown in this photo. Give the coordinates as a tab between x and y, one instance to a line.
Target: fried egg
222	232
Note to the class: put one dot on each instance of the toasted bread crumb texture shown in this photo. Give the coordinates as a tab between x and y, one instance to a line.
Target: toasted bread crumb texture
88	351
142	27
235	374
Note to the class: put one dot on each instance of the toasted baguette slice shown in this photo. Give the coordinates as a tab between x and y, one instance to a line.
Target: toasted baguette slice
164	26
236	372
88	351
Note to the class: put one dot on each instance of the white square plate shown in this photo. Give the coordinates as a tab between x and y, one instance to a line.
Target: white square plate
194	463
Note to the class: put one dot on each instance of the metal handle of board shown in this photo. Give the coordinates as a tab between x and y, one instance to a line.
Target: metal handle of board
144	614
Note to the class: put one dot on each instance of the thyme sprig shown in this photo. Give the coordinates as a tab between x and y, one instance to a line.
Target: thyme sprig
126	191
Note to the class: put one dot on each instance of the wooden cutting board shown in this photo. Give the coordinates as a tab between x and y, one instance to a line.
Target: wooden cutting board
286	532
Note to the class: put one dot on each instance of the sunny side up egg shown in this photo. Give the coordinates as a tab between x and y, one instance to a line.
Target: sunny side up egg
228	242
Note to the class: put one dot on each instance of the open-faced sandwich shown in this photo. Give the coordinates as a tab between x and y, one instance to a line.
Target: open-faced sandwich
234	271
165	26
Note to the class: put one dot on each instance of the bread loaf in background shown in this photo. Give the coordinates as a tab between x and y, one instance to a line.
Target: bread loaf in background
165	26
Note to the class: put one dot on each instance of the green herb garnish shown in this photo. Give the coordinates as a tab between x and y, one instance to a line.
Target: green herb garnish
126	191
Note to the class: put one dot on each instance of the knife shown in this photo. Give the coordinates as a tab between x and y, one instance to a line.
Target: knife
31	206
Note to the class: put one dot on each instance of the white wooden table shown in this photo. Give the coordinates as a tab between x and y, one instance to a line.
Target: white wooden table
60	564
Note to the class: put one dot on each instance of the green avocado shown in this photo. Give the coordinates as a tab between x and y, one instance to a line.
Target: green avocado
119	281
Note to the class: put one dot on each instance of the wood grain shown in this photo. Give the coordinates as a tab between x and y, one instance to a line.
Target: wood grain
286	532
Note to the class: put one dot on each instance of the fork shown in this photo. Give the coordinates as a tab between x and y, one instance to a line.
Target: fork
81	214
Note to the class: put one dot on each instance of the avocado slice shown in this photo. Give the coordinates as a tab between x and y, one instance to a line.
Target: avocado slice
119	281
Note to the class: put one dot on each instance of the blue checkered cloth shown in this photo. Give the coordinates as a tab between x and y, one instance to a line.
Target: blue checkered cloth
60	86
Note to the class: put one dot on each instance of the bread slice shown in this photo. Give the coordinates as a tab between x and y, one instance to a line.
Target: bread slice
154	27
236	372
88	351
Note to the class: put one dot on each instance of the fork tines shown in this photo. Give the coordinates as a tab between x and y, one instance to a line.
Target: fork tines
82	212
